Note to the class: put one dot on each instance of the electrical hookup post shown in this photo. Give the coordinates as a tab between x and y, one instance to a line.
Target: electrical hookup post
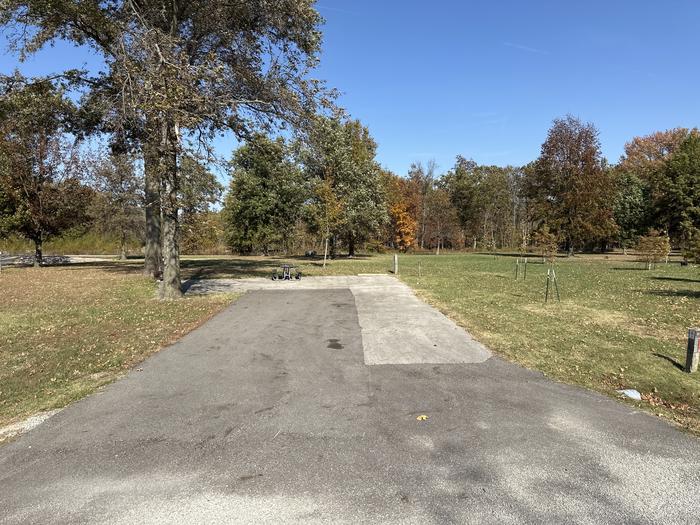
693	355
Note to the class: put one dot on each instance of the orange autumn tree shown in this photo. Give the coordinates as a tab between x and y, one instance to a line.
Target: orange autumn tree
402	227
644	156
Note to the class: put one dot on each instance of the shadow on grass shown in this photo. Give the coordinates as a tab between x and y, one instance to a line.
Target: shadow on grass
207	266
693	294
126	267
677	279
234	267
675	363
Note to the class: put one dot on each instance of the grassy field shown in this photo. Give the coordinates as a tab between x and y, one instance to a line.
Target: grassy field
66	331
617	326
90	243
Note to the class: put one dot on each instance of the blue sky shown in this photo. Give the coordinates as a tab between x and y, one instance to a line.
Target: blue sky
485	79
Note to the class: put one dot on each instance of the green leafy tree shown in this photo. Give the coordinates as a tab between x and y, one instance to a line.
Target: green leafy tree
199	191
324	214
266	197
442	221
692	249
181	71
677	189
342	153
487	201
569	186
41	193
631	207
463	183
116	206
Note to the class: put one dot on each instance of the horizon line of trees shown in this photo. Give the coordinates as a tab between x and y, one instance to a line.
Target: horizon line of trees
326	192
570	197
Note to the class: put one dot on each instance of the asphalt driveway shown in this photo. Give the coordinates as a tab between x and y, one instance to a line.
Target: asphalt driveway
269	413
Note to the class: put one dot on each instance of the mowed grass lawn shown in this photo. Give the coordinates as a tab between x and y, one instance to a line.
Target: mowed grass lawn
65	331
617	326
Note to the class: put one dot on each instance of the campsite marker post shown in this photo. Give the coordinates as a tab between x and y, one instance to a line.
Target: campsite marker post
693	355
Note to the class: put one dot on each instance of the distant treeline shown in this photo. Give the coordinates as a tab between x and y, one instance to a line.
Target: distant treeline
282	199
328	193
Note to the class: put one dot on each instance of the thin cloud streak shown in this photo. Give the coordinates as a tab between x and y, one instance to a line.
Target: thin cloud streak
336	9
526	48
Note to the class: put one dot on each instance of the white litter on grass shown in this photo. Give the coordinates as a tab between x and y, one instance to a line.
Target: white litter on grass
28	424
631	393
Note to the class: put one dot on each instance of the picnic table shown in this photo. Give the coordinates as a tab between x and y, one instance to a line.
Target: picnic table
288	273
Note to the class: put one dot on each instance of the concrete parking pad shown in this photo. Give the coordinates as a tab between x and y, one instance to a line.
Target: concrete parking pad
397	327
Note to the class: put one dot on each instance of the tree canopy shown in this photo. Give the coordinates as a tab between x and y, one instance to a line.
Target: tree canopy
342	153
176	73
40	192
568	186
265	197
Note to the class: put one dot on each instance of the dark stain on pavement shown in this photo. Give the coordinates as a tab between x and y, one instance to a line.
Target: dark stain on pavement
334	344
249	477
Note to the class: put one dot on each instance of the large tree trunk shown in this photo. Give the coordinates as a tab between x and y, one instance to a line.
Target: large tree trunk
122	246
333	247
351	245
38	250
152	253
170	288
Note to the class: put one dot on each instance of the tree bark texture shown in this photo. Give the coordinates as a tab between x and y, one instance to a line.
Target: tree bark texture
171	286
152	251
38	251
